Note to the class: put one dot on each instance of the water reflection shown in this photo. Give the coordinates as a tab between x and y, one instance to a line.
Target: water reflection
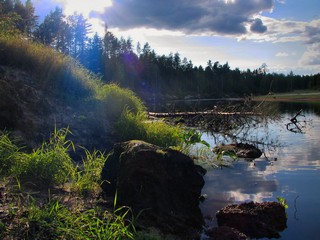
295	175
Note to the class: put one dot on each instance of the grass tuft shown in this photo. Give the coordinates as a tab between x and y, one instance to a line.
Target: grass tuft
136	127
29	213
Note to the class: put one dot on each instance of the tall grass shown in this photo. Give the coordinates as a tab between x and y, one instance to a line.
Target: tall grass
55	221
137	127
47	165
64	76
87	180
25	217
115	100
61	223
8	153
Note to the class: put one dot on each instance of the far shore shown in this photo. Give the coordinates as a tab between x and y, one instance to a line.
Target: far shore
290	97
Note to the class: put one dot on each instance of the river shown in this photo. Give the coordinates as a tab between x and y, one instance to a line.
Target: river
290	169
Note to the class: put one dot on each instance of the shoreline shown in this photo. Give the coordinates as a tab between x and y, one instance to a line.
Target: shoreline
290	97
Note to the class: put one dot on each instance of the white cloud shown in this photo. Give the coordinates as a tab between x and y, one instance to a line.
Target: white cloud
311	55
282	54
281	1
84	6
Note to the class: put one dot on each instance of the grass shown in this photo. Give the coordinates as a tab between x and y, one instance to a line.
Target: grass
48	165
52	211
137	127
8	152
86	181
44	194
65	77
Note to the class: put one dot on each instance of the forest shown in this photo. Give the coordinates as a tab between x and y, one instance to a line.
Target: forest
139	67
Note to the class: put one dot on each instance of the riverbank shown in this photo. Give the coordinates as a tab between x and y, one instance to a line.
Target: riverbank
290	97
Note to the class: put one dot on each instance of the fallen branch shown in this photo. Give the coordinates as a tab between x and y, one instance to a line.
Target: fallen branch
206	113
297	126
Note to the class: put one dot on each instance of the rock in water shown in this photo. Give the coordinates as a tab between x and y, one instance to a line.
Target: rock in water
242	150
226	233
256	220
162	183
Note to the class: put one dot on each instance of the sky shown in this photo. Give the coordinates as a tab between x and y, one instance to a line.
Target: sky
284	34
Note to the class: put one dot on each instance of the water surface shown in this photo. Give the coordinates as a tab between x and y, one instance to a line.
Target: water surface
290	169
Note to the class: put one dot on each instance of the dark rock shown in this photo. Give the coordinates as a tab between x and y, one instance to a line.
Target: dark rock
225	233
256	220
162	183
243	150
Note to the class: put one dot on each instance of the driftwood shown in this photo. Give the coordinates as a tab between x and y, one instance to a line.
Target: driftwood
203	113
295	125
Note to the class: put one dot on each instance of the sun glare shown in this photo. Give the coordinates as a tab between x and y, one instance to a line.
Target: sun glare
85	6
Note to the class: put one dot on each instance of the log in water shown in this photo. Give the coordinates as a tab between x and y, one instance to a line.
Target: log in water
196	113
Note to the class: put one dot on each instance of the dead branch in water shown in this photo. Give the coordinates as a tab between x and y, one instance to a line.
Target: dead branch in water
295	125
203	113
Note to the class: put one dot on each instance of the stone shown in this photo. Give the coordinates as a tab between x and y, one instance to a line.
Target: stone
163	185
225	233
256	220
242	150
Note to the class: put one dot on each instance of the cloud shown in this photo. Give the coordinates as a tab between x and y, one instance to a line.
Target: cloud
257	26
189	16
282	54
311	55
312	32
281	1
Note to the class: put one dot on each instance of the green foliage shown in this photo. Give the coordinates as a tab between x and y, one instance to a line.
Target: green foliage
55	221
8	153
115	100
132	126
54	71
230	153
50	164
8	24
192	137
27	218
283	202
65	77
87	181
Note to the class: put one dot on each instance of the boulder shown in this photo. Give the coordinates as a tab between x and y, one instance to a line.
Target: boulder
225	233
256	220
163	185
243	150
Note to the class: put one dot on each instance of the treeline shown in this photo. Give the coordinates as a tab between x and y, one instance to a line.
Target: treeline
139	67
